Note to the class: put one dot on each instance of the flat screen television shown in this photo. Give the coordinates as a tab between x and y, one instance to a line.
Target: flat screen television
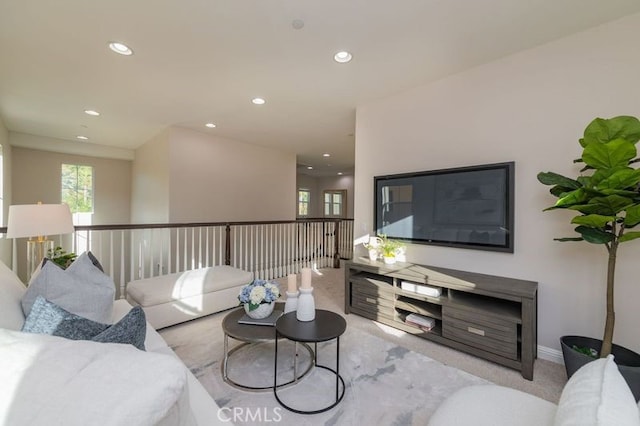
466	207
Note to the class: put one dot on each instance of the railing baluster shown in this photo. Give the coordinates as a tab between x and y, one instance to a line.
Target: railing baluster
123	280
270	249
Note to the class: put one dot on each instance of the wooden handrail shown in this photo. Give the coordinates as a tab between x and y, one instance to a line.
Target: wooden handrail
115	227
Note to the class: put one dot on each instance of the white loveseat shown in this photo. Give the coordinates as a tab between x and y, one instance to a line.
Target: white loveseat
194	406
596	395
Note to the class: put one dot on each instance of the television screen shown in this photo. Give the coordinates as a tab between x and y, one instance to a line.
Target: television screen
469	207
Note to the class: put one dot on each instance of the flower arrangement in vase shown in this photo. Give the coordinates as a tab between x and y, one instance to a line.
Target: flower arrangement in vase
259	298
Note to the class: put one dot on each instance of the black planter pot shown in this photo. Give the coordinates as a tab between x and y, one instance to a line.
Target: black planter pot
627	360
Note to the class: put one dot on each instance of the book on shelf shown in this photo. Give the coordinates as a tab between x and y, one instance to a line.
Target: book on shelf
420	321
419	326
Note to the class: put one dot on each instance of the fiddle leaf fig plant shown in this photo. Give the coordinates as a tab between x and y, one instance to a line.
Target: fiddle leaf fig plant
606	195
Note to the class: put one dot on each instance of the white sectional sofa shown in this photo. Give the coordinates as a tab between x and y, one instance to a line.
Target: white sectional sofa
24	398
596	395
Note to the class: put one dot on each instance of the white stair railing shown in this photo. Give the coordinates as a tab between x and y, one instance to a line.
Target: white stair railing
267	249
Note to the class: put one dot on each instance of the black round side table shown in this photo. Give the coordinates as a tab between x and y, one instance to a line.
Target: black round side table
253	334
326	326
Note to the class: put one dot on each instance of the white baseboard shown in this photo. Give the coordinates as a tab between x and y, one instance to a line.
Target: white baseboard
549	354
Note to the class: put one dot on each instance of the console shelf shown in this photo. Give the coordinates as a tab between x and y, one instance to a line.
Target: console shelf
488	316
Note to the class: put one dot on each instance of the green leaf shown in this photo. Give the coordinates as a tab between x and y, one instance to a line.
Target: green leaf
574	197
610	205
595	236
603	174
551	178
621	179
629	236
569	239
604	130
632	217
621	192
559	191
593	220
584	180
616	153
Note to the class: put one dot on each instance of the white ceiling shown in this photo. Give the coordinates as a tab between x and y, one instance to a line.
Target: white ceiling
199	61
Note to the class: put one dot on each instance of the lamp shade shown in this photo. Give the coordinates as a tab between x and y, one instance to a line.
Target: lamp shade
36	220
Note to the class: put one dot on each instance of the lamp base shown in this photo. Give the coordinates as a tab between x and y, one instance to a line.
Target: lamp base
36	251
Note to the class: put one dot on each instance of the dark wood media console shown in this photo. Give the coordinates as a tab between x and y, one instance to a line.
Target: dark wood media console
488	316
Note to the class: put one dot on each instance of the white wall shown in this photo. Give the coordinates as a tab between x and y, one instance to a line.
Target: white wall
35	176
150	181
216	179
530	107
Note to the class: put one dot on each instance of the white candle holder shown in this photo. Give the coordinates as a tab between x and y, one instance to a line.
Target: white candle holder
306	305
292	302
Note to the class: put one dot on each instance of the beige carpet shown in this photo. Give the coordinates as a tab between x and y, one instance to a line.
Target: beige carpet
198	344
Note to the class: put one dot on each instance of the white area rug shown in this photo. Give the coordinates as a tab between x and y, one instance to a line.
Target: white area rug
386	384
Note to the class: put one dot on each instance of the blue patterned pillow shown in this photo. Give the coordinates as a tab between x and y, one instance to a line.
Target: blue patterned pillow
48	318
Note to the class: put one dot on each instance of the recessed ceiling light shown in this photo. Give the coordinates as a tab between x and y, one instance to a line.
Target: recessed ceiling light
120	48
258	101
339	173
297	24
342	57
84	138
326	155
309	168
210	125
91	112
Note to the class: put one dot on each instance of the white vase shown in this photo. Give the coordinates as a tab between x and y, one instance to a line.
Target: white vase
389	260
292	302
373	254
306	305
262	311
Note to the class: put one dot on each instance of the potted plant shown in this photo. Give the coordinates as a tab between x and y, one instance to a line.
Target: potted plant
606	198
389	249
259	298
61	257
372	247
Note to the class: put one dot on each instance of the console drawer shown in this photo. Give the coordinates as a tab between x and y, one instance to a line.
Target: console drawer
373	306
368	289
490	333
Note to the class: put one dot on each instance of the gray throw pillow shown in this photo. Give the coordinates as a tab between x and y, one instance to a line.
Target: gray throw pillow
81	289
95	261
48	318
132	329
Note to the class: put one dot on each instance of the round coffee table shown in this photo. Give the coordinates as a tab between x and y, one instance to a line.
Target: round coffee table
251	334
326	326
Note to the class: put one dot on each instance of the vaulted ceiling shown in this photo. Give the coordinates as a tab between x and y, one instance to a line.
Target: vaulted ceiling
203	61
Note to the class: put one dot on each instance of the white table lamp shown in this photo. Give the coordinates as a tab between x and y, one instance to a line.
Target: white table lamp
38	221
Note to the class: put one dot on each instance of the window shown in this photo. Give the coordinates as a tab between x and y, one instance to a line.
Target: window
334	203
77	187
304	196
77	193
